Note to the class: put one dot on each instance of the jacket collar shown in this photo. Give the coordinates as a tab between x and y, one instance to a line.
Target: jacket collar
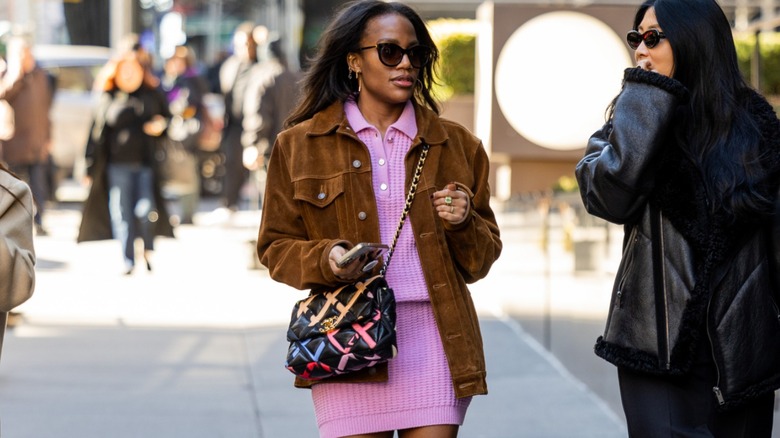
430	130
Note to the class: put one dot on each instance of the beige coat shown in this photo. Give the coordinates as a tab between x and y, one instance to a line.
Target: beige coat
319	193
17	254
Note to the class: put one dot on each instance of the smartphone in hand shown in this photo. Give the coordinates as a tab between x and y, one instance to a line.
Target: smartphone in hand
372	250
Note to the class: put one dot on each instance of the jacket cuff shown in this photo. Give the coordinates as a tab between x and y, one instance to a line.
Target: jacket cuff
672	86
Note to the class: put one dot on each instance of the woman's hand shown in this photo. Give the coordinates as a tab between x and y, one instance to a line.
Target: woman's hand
352	271
451	204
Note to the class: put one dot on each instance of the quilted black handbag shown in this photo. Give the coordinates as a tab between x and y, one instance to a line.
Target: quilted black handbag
353	327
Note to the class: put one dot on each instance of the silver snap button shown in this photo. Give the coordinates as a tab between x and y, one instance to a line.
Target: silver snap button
362	215
321	196
383	186
356	164
381	161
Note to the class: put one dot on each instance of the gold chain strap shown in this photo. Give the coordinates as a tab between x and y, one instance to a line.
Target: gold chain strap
408	206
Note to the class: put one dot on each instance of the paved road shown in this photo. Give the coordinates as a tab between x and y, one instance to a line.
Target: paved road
194	348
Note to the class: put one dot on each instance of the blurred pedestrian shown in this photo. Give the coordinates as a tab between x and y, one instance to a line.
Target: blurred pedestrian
272	93
184	89
27	89
129	43
339	176
125	200
212	71
17	253
234	77
689	162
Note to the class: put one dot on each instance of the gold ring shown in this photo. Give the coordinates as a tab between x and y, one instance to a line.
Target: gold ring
452	209
448	200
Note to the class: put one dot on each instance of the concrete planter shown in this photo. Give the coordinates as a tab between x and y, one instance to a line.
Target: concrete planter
589	248
588	255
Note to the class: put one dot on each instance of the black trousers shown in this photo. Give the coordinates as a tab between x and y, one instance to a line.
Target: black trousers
235	172
660	407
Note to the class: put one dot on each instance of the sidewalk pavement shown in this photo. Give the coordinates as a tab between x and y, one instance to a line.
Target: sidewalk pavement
195	347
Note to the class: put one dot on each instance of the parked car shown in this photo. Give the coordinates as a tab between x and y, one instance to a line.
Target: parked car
73	70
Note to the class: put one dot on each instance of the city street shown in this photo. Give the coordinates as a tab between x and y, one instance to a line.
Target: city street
192	343
195	347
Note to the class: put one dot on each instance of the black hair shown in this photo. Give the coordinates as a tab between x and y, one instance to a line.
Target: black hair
714	128
327	80
276	50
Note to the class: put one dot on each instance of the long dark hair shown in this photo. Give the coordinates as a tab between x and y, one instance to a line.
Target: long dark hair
327	80
715	128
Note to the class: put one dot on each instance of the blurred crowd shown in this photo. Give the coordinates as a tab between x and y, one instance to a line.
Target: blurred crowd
163	134
25	130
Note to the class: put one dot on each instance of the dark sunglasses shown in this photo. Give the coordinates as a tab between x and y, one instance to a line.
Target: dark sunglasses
651	38
392	54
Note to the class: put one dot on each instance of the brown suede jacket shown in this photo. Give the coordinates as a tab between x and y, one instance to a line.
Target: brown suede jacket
319	194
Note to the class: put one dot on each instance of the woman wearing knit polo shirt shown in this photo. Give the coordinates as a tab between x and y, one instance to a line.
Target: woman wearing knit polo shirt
339	175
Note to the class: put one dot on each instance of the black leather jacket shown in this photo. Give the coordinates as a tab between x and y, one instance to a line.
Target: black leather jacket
686	275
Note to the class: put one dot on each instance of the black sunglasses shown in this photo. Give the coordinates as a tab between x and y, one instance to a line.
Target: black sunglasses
651	38
392	54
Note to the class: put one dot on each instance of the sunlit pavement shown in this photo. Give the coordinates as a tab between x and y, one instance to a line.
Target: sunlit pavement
195	347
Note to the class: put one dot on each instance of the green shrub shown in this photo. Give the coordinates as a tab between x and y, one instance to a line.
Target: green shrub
457	63
566	184
770	59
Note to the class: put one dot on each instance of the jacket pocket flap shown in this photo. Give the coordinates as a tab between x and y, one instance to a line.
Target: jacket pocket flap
319	191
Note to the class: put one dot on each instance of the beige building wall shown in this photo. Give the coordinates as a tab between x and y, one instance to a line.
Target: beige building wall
538	175
520	165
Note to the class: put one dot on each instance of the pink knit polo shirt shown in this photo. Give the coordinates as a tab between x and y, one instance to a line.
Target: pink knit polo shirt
405	273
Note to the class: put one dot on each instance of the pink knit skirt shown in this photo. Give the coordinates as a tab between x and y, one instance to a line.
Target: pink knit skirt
418	393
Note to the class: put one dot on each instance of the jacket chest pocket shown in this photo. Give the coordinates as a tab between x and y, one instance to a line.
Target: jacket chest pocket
322	204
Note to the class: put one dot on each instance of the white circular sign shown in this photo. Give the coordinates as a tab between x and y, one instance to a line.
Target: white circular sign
556	75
